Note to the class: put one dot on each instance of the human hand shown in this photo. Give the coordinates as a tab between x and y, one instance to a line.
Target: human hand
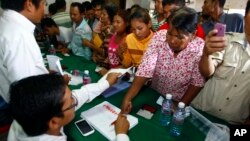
214	43
112	78
121	124
66	78
126	106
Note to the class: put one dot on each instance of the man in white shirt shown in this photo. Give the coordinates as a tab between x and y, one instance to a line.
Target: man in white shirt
20	55
63	34
41	110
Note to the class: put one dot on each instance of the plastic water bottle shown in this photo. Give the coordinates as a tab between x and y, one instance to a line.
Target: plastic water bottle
166	110
52	50
86	77
178	120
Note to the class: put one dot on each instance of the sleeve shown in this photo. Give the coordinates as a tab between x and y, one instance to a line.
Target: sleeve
68	35
88	92
87	32
197	79
148	64
127	59
122	137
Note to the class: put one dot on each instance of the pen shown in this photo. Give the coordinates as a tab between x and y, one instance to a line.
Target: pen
112	123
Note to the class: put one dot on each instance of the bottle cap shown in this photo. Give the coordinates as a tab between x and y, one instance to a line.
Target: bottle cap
168	96
181	105
86	71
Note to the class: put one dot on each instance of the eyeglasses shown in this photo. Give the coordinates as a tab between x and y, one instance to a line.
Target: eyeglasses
73	105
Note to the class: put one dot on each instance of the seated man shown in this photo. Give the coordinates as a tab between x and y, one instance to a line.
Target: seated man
225	62
63	34
40	110
214	9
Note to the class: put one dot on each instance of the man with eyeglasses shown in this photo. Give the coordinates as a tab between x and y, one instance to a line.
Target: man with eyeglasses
40	110
20	55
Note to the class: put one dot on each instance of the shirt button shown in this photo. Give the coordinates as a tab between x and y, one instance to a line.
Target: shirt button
227	98
243	72
219	109
235	85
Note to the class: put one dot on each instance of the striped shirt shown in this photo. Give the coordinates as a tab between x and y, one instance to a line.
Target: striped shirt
62	19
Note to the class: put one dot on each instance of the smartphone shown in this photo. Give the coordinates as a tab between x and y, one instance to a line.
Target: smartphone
84	128
221	28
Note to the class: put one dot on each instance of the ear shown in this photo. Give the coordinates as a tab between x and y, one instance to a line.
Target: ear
150	24
28	5
54	123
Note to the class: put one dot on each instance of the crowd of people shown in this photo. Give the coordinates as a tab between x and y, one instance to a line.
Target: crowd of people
176	48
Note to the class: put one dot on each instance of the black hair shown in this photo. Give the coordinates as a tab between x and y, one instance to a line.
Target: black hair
134	8
180	3
111	10
79	5
125	16
184	19
97	2
48	22
87	6
60	4
52	8
17	5
221	3
35	100
247	8
140	13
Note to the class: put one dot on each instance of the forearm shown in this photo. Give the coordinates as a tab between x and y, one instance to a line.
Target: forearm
135	87
91	46
190	94
206	65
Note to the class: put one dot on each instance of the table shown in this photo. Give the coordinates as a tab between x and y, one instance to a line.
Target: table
145	130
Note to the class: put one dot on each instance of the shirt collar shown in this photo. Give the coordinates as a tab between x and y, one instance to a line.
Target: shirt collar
20	20
241	39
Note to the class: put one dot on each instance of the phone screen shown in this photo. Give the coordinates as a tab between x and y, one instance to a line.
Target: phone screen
84	127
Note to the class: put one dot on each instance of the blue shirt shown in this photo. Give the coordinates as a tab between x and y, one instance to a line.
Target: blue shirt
83	31
234	22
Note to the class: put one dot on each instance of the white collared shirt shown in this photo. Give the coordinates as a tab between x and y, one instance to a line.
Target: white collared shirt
227	94
20	55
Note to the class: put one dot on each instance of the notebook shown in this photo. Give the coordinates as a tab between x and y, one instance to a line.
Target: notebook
120	85
102	116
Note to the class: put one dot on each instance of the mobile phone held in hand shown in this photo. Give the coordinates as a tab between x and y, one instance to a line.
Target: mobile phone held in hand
221	28
84	128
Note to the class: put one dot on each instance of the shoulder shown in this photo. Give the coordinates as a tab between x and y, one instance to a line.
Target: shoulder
160	35
235	16
197	45
233	37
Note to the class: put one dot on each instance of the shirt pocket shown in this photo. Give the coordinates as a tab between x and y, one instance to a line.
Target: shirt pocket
224	72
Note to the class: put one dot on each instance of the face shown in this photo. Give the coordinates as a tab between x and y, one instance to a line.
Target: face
208	7
247	28
140	29
119	24
167	9
158	6
98	11
177	41
68	107
75	15
38	13
105	17
90	14
49	30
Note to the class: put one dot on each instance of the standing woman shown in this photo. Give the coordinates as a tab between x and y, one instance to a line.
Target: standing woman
172	61
136	43
121	29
